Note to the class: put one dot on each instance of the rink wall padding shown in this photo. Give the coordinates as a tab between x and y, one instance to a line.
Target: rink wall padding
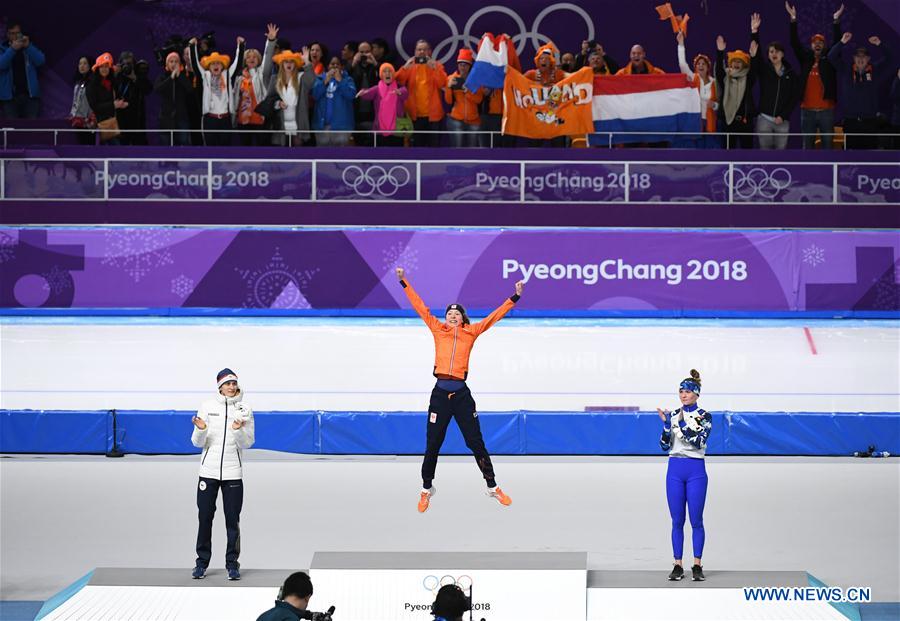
403	433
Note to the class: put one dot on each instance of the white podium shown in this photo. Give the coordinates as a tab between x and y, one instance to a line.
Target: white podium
401	586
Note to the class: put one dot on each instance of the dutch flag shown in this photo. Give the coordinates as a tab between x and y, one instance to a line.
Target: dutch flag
489	69
644	103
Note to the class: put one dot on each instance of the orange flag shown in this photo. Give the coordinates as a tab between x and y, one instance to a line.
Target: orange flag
532	110
679	23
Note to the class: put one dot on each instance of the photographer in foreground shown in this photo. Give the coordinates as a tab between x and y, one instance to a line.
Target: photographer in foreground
293	601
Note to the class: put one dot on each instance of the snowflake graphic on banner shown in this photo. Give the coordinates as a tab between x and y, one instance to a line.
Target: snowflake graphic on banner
277	284
399	255
7	247
137	252
182	285
57	280
813	256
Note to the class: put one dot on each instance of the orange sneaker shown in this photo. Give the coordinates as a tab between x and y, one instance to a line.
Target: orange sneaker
502	498
425	499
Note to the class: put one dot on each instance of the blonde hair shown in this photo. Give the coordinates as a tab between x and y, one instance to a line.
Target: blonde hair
256	53
282	80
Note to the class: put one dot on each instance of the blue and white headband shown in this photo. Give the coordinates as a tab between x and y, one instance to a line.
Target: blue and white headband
691	385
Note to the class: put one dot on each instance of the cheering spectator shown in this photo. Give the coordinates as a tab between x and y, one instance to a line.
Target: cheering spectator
217	72
251	91
382	53
639	63
20	91
388	98
132	85
735	84
347	53
464	120
318	53
545	70
286	106
365	75
582	58
601	64
424	77
818	82
334	92
80	115
588	49
706	87
778	92
859	92
196	100
101	96
175	97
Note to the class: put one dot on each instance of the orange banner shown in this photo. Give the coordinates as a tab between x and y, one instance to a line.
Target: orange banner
541	112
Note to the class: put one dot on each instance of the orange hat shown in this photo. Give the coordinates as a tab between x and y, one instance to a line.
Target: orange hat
818	36
215	57
548	48
465	56
282	56
104	59
383	67
739	55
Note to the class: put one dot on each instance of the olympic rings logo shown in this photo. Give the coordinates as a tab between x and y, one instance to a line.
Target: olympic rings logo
384	181
759	182
466	39
433	583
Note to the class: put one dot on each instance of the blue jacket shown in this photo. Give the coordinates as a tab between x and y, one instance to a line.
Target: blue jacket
342	95
34	58
859	98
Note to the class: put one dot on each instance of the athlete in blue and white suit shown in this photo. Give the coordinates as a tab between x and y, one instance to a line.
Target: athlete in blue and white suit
685	434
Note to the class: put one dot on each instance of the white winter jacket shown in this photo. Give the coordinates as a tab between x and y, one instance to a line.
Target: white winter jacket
222	445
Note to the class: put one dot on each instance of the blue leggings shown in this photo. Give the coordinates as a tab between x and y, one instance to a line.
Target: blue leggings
686	482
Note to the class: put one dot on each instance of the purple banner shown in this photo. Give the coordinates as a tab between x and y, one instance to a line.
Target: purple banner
566	181
565	270
363	181
135	179
274	180
471	181
53	179
783	183
670	183
869	183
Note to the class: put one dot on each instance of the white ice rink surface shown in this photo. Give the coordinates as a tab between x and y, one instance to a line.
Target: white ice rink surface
62	516
838	518
378	364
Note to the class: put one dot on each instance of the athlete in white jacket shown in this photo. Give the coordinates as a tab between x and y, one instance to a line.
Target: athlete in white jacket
223	427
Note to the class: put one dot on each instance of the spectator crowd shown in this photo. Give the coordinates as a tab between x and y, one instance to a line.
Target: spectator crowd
210	94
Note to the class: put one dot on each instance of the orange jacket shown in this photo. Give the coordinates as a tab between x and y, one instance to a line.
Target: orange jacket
437	79
465	104
453	345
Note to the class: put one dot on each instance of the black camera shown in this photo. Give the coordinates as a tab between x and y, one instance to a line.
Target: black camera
175	43
317	616
127	68
421	60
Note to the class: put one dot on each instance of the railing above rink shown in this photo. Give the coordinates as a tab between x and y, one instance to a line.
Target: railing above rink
786	178
469	138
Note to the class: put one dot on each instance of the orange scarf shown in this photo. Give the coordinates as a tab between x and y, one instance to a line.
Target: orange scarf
710	113
247	104
650	68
